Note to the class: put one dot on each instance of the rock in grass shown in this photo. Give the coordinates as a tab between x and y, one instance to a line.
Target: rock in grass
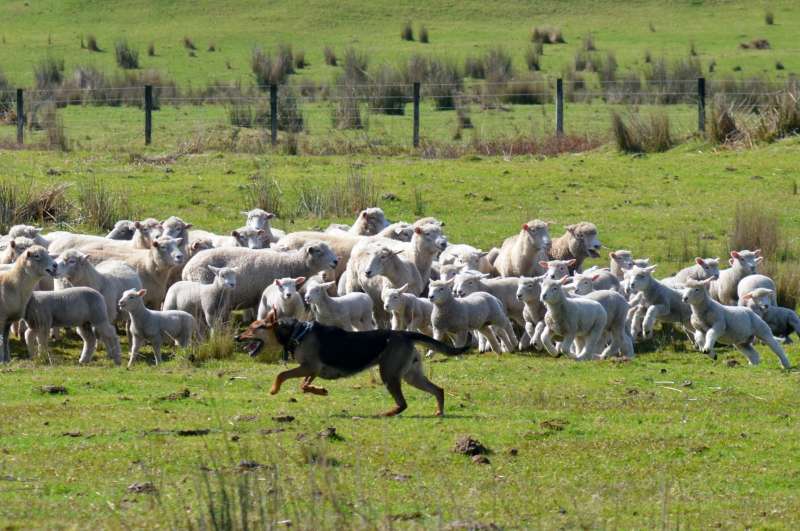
53	390
466	445
142	488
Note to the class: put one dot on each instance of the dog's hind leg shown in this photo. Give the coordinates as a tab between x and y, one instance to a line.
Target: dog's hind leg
306	387
297	372
394	387
416	377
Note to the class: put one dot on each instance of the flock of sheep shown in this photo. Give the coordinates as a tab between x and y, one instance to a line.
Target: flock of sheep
167	282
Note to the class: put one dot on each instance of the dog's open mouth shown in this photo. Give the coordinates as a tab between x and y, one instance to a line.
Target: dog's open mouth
593	253
253	347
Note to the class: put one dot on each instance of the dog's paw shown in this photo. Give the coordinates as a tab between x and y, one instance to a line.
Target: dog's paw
274	390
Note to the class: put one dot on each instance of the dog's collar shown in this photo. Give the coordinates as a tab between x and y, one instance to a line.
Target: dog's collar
298	334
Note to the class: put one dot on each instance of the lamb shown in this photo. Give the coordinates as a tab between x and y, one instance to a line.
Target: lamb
408	311
529	291
123	230
207	303
446	272
743	263
82	308
153	265
602	279
16	286
466	255
15	247
782	321
578	242
110	278
579	320
154	326
283	297
522	254
664	304
704	268
729	325
400	231
175	227
753	282
505	289
621	261
479	311
258	219
258	269
616	307
349	312
145	232
30	232
556	269
370	221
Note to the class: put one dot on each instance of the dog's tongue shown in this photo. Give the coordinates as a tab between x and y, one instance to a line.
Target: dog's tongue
252	347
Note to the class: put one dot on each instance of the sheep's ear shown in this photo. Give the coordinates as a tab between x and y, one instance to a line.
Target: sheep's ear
735	254
178	241
565	280
699	261
571	262
260	232
759	259
12	244
278	282
137	225
524	226
544	264
757	252
572	228
364	214
395	253
187	226
155	244
403	288
707	282
214	270
141	292
299	281
651	268
747	296
450	281
483	253
612	255
418	230
730	261
235	234
594	278
484	275
270	215
327	284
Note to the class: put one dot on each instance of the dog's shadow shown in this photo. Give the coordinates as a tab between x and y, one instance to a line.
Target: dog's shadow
404	416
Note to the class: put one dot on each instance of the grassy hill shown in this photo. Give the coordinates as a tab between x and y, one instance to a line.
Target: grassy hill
457	29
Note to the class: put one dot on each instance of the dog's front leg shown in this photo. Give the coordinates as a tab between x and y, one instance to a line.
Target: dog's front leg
306	387
297	372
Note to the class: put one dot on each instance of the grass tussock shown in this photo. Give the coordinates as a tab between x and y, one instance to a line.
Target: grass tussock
300	60
330	56
424	38
769	17
91	43
722	126
533	59
214	347
642	135
48	73
341	198
510	146
588	43
407	33
389	93
754	227
271	69
100	206
126	56
188	43
151	50
27	203
547	35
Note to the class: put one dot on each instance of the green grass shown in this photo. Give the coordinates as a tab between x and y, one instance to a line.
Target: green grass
456	30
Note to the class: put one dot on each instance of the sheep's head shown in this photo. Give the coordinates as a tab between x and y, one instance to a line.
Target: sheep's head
468	282
400	231
258	219
26	231
538	232
430	238
377	259
393	298
319	256
370	221
440	291
287	287
202	244
36	261
316	292
557	269
696	291
131	298
640	277
225	276
168	251
759	300
123	230
710	267
17	246
68	264
584	283
251	238
529	288
552	290
623	258
584	235
746	260
449	271
149	229
471	260
175	227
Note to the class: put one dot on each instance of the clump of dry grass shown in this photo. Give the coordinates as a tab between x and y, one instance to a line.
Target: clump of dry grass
769	17
423	35
127	56
533	59
547	35
588	43
188	43
27	203
100	206
407	33
755	226
638	135
330	56
92	44
151	50
300	60
722	127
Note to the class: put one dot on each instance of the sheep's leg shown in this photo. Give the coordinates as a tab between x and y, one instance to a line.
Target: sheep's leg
547	341
711	339
89	343
156	343
775	347
30	342
536	340
750	352
510	336
566	344
109	338
653	313
501	335
136	344
439	335
626	346
699	338
525	339
486	331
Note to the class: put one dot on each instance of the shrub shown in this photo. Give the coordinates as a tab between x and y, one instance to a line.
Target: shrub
285	58
474	67
779	65
188	43
389	93
423	35
722	128
151	50
100	206
532	59
417	68
444	83
769	17
342	198
127	57
220	345
91	44
588	43
407	34
675	82
241	114
212	47
267	69
642	136
330	56
290	115
498	65
300	60
354	68
48	73
547	35
533	90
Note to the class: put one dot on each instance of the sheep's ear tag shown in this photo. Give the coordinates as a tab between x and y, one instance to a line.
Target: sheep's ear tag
525	226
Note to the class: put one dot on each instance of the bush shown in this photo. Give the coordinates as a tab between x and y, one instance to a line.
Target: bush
722	128
151	50
474	68
588	43
91	44
787	281
285	58
423	35
769	17
755	226
675	82
407	34
48	73
188	43
498	65
389	93
269	70
642	136
417	69
533	90
547	35
532	59
100	206
354	68
444	83
127	57
300	60
330	56
779	65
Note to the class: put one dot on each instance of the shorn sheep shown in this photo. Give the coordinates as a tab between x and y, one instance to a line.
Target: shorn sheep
209	304
153	326
579	242
82	308
730	325
521	255
575	320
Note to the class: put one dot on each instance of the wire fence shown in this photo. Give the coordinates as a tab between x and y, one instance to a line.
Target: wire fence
342	117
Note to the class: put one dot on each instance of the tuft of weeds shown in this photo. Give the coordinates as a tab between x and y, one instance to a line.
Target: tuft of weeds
92	44
48	72
769	17
330	56
188	43
755	227
407	33
265	193
127	57
300	60
25	203
151	50
101	207
424	38
638	135
533	58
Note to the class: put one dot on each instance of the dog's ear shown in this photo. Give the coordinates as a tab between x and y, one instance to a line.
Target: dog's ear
272	317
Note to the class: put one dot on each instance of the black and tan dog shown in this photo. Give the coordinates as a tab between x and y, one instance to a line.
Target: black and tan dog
331	353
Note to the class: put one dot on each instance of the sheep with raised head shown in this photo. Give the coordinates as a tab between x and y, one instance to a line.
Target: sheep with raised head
739	326
145	232
522	254
352	311
743	263
466	255
620	261
82	308
284	297
578	242
259	219
702	269
154	326
209	304
408	311
575	320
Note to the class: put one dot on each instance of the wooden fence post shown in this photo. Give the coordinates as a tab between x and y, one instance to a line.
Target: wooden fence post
559	107
20	117
273	112
416	114
701	104
148	114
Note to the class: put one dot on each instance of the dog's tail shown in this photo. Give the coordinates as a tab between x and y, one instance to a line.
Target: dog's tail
437	345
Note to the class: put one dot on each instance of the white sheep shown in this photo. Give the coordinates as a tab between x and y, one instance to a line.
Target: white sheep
603	278
576	320
522	254
782	321
259	219
529	291
504	288
556	269
123	230
408	311
617	338
209	304
702	269
743	263
82	308
620	261
480	312
730	325
349	312
754	282
283	296
154	326
661	303
578	242
467	256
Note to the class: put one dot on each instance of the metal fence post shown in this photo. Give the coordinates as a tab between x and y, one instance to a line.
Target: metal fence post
416	114
559	107
20	116
148	114
273	112
701	104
